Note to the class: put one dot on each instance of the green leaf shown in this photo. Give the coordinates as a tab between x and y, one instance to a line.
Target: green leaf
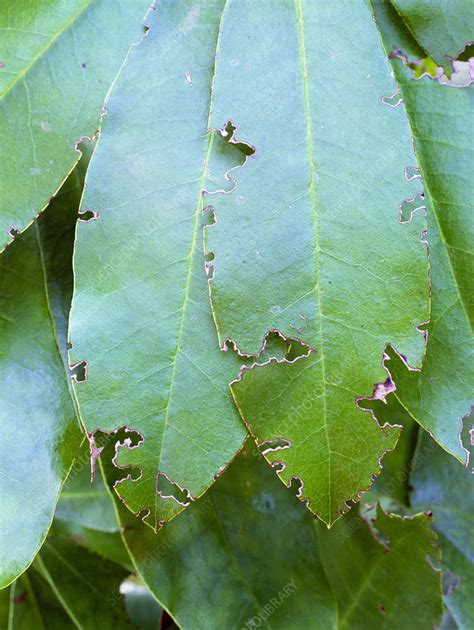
311	243
86	502
330	461
442	485
57	61
86	585
31	603
41	430
248	537
437	397
441	28
107	545
86	515
141	317
230	557
381	575
392	487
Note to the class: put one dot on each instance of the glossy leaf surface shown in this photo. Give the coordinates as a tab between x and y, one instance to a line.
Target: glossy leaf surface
141	316
437	397
38	417
57	61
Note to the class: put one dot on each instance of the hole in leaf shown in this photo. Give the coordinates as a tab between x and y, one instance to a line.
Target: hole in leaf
168	489
409	206
79	371
88	215
278	444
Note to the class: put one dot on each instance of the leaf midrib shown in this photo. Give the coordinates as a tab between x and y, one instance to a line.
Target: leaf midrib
366	583
55	589
22	74
33	598
190	257
312	195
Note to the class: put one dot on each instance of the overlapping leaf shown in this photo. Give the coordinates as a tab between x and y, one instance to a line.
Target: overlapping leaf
31	603
310	243
141	317
383	574
86	585
57	61
441	28
67	587
437	397
38	418
442	485
86	516
229	561
228	558
419	475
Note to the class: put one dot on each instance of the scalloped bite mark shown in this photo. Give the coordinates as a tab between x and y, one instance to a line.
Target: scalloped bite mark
79	371
166	488
381	390
88	215
394	100
461	76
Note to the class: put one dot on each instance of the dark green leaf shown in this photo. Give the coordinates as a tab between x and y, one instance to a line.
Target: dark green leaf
142	608
232	557
32	605
87	586
382	577
442	485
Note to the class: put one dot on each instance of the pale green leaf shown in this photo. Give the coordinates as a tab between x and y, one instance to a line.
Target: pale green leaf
84	501
141	317
40	429
57	61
